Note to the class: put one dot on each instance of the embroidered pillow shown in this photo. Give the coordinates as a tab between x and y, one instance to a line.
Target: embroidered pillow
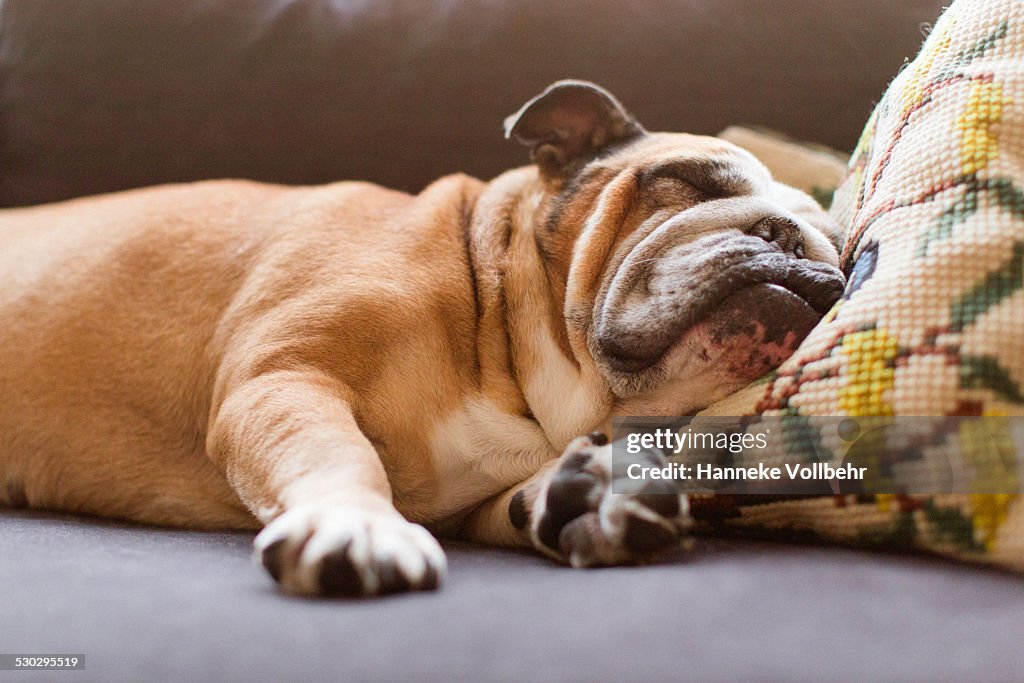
932	320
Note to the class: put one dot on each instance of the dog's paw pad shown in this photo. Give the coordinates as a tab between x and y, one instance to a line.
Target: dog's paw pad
338	574
578	519
272	558
643	536
346	551
571	492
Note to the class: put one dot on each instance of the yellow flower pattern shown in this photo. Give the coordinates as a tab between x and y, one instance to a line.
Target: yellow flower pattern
870	373
978	141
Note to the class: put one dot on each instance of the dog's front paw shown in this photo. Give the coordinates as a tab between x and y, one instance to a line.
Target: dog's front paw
349	551
577	518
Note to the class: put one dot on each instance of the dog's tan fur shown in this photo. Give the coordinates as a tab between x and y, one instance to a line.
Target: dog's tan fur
217	354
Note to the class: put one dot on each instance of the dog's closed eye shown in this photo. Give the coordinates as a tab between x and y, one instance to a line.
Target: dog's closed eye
713	179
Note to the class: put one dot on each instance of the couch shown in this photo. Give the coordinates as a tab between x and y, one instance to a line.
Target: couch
102	95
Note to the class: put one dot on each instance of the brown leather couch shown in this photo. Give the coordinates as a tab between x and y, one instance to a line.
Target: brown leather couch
99	95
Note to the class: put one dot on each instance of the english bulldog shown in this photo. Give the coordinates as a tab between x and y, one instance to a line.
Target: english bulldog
347	366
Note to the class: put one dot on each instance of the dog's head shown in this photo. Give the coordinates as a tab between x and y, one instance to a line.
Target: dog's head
687	270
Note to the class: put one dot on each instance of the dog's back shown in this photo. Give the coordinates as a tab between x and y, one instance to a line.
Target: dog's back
115	314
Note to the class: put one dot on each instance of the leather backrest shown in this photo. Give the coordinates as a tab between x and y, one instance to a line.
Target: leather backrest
99	95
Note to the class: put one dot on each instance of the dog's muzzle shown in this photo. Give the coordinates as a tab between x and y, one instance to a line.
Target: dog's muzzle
742	301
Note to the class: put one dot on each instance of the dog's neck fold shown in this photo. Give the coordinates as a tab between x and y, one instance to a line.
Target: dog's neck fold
518	342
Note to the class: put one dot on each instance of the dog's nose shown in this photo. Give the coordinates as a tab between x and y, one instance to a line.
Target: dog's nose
782	232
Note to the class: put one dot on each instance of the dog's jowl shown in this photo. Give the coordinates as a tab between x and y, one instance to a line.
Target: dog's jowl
347	366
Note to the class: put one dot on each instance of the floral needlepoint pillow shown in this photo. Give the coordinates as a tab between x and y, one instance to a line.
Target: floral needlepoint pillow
932	320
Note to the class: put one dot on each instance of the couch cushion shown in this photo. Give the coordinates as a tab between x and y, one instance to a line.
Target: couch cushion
167	605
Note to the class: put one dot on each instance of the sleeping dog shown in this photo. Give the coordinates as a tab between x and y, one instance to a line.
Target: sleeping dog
346	366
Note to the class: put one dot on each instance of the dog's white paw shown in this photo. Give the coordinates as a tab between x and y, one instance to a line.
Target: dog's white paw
349	551
577	518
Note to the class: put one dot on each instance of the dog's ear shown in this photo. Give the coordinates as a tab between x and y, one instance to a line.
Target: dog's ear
569	123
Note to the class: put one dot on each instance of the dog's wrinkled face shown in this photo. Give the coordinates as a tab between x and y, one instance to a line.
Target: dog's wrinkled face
689	271
716	272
